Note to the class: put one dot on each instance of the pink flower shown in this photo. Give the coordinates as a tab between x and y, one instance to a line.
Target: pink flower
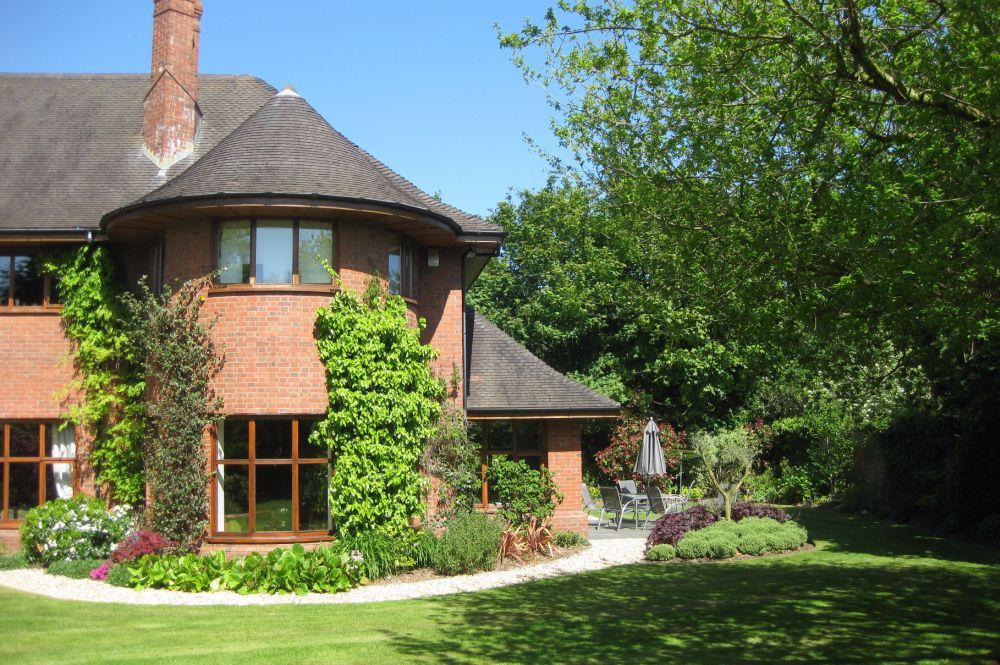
101	572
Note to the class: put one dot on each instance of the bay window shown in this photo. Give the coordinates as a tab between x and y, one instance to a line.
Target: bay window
274	251
269	478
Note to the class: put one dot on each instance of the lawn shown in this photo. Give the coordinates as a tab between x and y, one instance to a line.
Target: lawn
870	592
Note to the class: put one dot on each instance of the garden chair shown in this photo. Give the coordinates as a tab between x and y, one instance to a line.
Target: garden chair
589	505
661	504
612	501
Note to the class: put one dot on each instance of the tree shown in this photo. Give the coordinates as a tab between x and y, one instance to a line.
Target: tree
727	457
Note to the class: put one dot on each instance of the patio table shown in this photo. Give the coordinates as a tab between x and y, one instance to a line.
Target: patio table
638	501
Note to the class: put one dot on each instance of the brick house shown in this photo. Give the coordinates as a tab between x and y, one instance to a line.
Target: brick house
180	175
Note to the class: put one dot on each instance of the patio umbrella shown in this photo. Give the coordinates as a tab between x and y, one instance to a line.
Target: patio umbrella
650	461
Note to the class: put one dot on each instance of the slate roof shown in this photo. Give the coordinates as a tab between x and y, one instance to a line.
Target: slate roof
71	144
286	147
71	152
506	378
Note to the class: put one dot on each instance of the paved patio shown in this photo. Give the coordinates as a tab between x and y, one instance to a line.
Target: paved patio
607	532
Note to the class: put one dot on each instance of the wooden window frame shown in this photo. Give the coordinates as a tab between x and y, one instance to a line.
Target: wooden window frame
41	460
515	452
251	463
296	274
7	299
407	268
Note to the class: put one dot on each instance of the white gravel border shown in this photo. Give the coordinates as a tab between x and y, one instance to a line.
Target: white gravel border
601	554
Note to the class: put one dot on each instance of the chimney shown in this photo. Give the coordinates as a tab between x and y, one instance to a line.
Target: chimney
170	110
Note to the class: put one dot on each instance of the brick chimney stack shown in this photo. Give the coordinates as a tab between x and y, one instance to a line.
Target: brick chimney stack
170	110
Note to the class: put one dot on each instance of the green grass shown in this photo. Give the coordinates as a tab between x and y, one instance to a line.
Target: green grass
871	592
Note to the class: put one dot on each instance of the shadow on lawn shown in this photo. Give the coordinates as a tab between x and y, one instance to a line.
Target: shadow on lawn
818	607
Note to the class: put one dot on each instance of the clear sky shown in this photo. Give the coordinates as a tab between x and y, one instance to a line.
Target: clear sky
422	85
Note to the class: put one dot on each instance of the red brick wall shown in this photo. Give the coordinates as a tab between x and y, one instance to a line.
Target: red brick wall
34	356
565	463
440	293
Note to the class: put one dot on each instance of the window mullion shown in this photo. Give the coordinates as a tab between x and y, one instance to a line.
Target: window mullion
253	251
252	475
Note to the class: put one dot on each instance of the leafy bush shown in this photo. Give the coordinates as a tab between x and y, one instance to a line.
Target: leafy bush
77	528
376	554
523	493
617	461
118	575
989	529
101	572
14	561
662	552
742	510
137	545
569	539
471	543
752	535
452	457
423	548
296	570
384	404
77	568
671	527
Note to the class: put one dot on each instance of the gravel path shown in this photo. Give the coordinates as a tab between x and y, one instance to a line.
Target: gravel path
601	554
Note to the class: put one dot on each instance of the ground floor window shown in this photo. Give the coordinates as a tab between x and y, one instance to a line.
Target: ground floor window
517	439
37	463
269	478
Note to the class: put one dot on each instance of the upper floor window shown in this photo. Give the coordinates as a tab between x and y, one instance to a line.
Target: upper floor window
402	258
275	251
22	282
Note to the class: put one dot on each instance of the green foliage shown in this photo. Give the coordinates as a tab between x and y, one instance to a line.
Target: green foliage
178	359
569	539
105	363
453	457
77	569
14	561
522	493
727	457
751	535
384	403
119	575
617	461
72	529
661	552
423	548
471	543
376	554
295	570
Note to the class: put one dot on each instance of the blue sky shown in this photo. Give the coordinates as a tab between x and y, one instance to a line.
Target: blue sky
423	86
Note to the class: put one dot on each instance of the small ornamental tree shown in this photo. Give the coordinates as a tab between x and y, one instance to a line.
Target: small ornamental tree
178	360
617	461
728	457
384	404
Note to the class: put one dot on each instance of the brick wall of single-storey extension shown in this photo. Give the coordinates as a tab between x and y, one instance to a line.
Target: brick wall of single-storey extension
565	462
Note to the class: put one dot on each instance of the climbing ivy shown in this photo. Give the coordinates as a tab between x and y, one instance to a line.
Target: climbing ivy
107	377
384	404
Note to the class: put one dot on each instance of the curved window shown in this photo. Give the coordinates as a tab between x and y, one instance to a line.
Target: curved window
275	251
269	479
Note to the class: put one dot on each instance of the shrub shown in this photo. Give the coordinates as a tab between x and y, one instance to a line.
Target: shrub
422	550
523	493
376	554
470	544
752	535
77	568
13	561
692	548
617	461
77	528
137	545
662	552
296	570
744	510
119	576
753	544
569	539
671	527
101	572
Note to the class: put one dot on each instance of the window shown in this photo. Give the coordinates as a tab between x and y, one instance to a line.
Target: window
37	463
517	439
401	262
21	282
275	252
269	478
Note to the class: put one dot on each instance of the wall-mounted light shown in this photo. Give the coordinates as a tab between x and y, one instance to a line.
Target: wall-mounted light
433	257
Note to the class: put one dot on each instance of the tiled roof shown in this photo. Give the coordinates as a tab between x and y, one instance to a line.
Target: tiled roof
71	144
286	147
506	378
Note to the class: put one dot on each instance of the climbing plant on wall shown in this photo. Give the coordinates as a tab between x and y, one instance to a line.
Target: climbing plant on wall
107	377
384	404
